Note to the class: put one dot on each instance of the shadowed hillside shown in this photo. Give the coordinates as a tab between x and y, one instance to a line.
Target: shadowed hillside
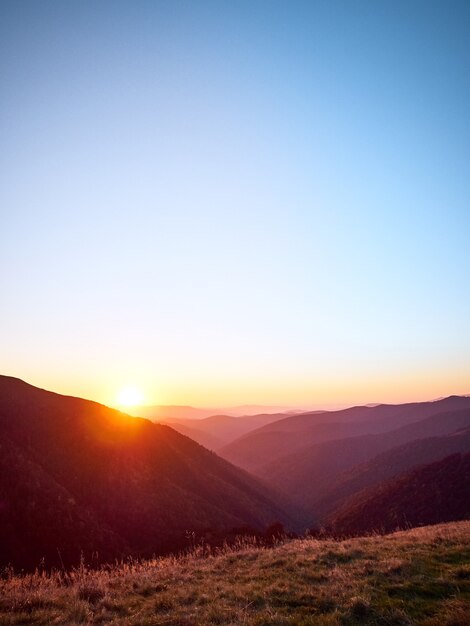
310	474
389	464
438	492
77	475
419	577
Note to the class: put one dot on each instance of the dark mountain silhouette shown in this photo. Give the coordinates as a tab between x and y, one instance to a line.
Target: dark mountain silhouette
310	474
390	464
40	518
76	475
430	494
290	434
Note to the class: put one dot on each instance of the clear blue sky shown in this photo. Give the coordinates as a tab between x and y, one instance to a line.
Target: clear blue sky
228	202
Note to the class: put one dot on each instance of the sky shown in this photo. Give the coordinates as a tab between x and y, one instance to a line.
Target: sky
236	202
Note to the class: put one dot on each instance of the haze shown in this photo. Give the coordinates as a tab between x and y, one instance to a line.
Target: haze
225	203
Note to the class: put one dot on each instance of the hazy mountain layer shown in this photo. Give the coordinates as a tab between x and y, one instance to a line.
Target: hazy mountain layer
287	436
310	474
217	431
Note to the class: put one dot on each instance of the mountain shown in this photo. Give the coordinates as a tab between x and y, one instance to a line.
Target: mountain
286	436
40	518
219	430
389	464
76	475
310	474
160	412
430	494
206	439
260	447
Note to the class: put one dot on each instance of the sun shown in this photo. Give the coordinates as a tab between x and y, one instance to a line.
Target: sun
129	397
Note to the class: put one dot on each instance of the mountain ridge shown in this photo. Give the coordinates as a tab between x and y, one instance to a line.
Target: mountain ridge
310	473
145	482
289	435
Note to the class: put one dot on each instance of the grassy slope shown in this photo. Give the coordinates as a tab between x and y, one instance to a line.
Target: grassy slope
421	576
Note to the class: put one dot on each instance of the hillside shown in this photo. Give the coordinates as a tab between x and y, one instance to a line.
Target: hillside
38	516
289	435
77	475
389	464
309	475
438	492
418	577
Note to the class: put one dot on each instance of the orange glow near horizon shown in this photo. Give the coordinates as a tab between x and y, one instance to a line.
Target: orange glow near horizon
327	389
302	394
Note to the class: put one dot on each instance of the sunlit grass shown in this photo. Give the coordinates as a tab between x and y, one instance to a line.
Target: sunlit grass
420	576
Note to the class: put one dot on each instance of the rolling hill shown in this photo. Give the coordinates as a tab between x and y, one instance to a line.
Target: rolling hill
389	464
291	434
82	476
438	492
216	431
310	474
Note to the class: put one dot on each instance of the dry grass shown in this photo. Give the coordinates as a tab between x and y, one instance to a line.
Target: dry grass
421	576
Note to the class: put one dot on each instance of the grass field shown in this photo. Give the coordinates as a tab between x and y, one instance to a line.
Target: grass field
420	576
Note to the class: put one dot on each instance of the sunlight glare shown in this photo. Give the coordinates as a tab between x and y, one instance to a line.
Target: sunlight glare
129	397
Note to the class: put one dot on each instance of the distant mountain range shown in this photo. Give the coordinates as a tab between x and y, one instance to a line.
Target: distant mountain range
256	450
310	474
78	476
323	459
217	431
212	428
160	412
